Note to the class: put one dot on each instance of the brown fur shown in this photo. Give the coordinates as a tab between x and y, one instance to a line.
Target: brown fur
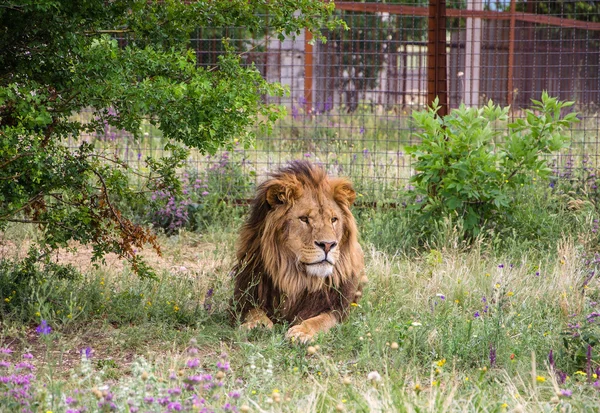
270	277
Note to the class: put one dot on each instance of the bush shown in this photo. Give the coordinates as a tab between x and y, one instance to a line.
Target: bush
469	165
207	197
539	218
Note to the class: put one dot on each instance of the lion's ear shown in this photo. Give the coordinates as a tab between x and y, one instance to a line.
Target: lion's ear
279	192
343	193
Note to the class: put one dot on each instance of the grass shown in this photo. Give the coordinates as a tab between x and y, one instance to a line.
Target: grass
421	338
509	322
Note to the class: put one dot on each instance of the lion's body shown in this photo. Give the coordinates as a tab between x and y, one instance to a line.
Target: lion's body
298	255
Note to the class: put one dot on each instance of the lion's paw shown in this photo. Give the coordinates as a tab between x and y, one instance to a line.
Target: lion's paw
257	322
300	334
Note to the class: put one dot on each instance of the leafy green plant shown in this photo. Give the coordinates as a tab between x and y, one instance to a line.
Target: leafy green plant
470	162
61	58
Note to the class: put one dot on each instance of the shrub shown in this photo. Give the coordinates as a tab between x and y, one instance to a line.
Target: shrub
469	165
206	197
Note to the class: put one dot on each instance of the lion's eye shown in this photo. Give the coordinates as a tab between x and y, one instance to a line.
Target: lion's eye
334	220
304	219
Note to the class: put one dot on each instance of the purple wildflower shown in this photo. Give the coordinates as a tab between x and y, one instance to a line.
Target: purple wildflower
492	356
476	315
223	365
566	393
592	316
24	365
551	359
235	394
175	391
28	356
88	351
501	266
174	406
561	376
5	350
149	400
207	299
44	328
193	363
589	362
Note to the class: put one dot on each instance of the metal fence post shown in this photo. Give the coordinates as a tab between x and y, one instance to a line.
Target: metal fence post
308	69
511	53
437	84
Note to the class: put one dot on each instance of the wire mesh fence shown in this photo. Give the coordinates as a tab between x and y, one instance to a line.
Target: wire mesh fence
350	99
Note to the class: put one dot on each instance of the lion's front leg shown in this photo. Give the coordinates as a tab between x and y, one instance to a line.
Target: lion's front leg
256	317
306	330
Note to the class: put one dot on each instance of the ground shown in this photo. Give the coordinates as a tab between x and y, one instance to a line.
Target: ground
446	330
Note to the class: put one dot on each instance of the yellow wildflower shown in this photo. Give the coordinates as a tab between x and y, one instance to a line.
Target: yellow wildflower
540	379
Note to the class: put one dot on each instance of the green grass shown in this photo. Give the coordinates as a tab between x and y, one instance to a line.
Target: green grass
149	323
434	312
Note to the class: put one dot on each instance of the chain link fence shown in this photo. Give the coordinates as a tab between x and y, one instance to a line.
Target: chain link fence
350	99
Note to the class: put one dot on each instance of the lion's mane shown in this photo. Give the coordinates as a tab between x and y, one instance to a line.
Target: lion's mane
267	278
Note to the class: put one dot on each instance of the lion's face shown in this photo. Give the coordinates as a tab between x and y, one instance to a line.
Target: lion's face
308	224
301	232
314	229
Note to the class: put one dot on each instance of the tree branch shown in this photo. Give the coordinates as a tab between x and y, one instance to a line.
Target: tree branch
14	158
28	203
110	206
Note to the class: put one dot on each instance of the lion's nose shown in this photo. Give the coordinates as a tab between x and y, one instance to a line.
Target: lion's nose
326	246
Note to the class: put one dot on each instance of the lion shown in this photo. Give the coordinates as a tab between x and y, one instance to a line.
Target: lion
298	256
